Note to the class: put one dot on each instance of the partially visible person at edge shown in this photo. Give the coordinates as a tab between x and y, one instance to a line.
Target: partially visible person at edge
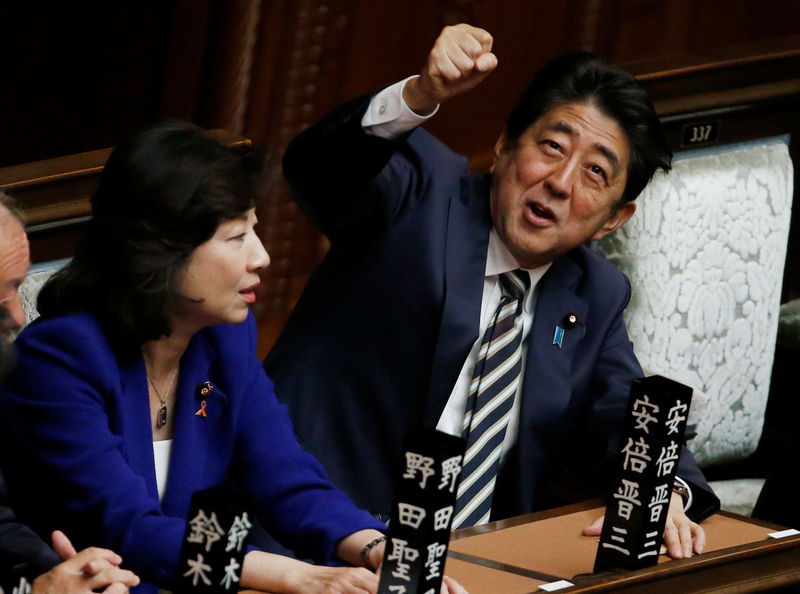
22	552
388	331
101	409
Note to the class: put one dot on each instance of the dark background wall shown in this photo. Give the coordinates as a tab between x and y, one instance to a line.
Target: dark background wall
78	75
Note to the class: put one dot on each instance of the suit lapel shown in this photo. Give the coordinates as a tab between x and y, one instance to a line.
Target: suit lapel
467	240
193	433
547	382
135	416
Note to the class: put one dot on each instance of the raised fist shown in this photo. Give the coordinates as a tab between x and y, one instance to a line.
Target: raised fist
460	59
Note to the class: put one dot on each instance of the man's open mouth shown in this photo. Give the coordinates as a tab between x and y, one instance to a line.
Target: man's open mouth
541	211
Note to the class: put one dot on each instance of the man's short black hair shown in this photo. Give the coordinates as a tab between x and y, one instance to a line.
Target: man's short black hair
583	78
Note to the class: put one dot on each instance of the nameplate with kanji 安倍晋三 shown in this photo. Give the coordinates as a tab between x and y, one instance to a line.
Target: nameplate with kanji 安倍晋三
637	507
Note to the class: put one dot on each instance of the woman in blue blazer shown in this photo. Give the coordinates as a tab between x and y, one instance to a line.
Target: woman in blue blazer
140	385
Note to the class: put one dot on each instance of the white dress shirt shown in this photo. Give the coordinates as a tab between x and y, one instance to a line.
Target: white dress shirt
498	261
162	450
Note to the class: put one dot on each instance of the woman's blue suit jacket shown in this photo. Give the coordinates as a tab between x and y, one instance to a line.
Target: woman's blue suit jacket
79	453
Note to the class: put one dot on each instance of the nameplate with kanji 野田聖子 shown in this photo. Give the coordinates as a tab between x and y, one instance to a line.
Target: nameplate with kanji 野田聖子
422	513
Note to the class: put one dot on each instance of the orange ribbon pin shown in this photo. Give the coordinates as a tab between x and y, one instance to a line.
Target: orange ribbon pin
202	411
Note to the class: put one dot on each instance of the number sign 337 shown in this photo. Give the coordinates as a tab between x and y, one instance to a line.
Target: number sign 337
700	133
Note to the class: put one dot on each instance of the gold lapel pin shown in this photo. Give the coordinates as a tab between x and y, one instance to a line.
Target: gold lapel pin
570	321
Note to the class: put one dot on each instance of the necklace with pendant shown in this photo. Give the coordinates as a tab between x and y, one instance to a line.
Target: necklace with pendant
162	411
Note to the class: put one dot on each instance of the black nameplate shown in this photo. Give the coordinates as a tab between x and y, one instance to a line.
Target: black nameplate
700	133
214	544
639	501
419	531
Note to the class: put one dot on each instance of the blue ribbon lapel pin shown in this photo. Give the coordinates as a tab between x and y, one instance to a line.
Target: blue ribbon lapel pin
558	337
570	321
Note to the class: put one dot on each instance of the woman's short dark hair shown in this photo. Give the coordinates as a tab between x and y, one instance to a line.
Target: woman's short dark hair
162	193
583	78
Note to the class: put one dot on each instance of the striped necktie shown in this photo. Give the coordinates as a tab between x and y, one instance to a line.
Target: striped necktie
494	384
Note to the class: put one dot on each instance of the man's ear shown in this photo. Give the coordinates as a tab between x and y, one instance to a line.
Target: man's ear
619	217
499	146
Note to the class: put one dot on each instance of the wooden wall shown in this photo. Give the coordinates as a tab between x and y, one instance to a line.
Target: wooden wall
79	75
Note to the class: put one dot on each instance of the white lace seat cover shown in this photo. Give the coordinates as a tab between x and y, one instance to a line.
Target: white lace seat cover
33	283
705	253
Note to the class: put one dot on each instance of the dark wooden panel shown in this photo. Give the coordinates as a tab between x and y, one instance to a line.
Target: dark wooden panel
54	195
635	29
78	75
184	64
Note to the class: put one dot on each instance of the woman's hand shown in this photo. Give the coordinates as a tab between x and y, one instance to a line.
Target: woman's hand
364	547
268	572
356	580
450	586
374	557
335	580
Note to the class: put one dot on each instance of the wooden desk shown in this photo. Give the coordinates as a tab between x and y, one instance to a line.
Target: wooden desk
518	555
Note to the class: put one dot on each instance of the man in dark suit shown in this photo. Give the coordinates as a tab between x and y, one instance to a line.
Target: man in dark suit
387	335
23	555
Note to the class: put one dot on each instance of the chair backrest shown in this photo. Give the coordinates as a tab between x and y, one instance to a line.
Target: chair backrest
705	253
33	283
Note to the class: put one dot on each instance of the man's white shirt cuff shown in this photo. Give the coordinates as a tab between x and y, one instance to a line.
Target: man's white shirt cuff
689	499
388	116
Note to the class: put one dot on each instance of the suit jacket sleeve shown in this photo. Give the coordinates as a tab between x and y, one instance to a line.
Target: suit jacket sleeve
19	544
289	488
345	180
617	367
